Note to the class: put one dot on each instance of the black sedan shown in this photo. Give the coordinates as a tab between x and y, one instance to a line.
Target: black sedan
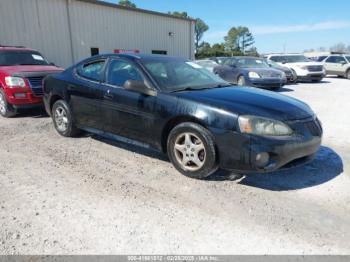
250	71
179	108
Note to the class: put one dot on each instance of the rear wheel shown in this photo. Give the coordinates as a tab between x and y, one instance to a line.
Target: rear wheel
62	119
348	74
6	109
191	150
241	81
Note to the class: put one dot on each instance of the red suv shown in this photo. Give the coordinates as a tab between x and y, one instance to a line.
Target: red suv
21	73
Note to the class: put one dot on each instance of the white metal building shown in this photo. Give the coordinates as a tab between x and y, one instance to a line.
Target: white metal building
66	31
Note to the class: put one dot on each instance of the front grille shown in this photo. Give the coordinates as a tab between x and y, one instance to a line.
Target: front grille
317	68
270	74
314	127
36	85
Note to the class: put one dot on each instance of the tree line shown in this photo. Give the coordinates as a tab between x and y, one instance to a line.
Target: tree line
238	41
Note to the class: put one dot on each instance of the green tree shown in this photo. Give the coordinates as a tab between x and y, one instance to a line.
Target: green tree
127	3
238	39
200	27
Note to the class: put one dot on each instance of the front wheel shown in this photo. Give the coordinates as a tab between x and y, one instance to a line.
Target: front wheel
191	150
62	119
6	109
348	74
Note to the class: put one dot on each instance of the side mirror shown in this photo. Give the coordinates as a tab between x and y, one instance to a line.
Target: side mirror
139	87
342	62
53	64
283	62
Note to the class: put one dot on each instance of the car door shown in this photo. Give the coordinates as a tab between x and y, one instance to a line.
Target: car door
340	65
127	113
331	65
86	94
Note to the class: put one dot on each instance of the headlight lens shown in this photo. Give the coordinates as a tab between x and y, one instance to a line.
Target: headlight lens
263	126
302	67
13	81
253	75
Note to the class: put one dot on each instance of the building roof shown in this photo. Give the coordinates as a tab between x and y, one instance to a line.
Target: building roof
103	3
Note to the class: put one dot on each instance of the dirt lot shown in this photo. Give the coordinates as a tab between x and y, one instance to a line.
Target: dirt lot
91	195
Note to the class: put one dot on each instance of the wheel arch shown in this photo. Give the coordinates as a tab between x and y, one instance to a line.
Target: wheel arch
173	123
53	100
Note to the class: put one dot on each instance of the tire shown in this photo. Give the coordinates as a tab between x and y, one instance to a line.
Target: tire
198	144
241	81
62	119
6	109
348	74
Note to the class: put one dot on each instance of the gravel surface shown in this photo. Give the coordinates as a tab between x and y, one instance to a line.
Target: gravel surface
89	195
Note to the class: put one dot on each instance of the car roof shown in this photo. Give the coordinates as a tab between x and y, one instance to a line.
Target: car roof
15	48
143	57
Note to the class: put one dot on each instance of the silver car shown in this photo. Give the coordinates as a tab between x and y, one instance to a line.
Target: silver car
338	65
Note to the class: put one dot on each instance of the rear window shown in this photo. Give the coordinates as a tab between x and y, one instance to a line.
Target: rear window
12	58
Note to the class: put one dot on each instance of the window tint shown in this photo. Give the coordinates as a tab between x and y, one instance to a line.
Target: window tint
120	71
277	59
321	58
335	59
92	70
10	58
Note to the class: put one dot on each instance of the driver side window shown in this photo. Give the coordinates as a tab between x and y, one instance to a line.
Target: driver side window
119	71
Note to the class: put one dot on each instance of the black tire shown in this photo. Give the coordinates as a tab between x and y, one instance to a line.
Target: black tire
6	109
241	81
209	161
70	129
348	74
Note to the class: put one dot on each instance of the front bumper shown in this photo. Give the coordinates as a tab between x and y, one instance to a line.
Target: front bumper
238	152
317	76
267	83
22	97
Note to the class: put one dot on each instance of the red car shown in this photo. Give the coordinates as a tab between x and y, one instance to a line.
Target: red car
21	73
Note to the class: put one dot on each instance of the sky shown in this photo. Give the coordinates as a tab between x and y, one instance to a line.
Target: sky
277	25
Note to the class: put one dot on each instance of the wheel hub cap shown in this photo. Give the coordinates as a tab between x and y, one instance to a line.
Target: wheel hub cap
61	119
189	151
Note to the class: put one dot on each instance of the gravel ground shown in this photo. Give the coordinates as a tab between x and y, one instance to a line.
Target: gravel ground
89	195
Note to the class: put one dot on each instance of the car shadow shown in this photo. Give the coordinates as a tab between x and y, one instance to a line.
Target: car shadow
326	166
284	89
149	152
33	112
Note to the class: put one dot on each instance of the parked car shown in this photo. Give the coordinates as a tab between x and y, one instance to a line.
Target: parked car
219	60
21	73
338	65
290	75
207	64
179	108
304	68
251	71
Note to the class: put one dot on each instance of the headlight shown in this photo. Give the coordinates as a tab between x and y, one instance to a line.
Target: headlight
253	75
13	81
302	67
283	75
263	126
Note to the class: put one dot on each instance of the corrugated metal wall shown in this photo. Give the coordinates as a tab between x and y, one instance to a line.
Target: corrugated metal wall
65	30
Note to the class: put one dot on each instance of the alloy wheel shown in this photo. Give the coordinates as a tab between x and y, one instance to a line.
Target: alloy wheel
189	151
61	119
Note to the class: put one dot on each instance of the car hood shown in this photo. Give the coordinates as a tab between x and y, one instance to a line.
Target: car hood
265	72
10	70
251	101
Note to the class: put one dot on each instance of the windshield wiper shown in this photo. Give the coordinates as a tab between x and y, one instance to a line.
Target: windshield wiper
190	88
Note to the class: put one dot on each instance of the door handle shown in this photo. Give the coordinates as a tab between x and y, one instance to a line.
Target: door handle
108	95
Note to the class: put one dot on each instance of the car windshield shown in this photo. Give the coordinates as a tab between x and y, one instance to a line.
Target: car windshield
247	62
290	59
175	75
273	63
11	58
